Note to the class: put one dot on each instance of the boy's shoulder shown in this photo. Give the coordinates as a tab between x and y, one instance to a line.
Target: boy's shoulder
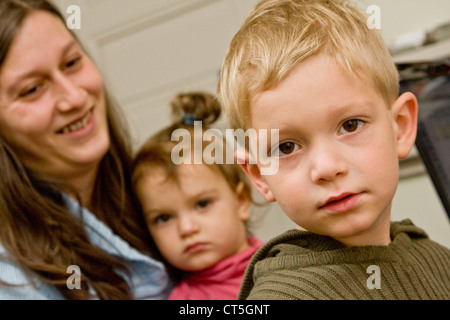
303	260
295	242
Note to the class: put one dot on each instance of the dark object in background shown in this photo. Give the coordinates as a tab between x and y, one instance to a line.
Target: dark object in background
430	82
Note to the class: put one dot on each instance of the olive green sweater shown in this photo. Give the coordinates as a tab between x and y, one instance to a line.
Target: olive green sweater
303	265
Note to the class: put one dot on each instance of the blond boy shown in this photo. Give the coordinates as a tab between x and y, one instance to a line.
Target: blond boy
316	72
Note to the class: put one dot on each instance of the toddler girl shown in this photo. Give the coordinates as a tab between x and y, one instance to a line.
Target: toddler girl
196	213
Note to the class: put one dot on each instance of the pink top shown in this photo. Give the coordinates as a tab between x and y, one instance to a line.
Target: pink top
219	282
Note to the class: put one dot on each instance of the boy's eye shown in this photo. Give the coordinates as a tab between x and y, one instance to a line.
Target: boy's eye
203	203
284	149
351	126
162	218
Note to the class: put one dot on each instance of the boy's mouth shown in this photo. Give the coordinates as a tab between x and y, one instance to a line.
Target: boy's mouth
341	203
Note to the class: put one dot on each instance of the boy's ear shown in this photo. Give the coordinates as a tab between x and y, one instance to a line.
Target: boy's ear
254	174
243	193
404	112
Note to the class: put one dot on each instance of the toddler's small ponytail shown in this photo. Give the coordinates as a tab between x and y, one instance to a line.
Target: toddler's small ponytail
195	106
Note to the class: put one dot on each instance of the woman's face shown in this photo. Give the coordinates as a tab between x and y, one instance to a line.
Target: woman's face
52	102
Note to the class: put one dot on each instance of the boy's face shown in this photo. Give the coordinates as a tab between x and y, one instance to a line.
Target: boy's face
338	151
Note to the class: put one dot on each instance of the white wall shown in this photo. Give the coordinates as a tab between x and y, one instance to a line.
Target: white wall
151	49
403	16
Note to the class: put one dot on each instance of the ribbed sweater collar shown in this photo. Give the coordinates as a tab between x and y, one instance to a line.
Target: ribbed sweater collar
295	248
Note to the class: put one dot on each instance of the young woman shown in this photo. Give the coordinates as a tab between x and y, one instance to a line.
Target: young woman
64	156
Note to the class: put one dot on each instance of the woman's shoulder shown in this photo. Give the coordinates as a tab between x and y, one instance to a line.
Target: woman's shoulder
149	277
16	285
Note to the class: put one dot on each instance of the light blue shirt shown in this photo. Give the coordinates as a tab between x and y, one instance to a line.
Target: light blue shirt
149	279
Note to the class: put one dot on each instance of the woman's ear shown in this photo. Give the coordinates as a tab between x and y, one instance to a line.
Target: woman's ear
254	174
404	112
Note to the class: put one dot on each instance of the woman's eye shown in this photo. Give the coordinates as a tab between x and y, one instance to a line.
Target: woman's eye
351	126
203	203
284	149
161	219
73	62
29	91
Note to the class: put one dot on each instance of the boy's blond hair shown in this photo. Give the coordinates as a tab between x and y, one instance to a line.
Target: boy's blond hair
279	34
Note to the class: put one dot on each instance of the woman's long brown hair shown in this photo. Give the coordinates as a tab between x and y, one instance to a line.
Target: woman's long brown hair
38	231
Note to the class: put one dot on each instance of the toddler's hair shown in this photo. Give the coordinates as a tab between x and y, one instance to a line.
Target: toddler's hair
279	34
156	152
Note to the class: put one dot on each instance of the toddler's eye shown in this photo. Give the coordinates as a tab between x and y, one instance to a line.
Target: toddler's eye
351	126
161	219
284	149
203	203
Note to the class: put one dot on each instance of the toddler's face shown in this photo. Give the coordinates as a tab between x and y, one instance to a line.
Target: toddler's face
195	223
338	160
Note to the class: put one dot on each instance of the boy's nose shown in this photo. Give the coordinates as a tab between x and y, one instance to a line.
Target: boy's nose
327	163
69	95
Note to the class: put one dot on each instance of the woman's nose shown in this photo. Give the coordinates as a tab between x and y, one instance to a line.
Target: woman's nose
69	94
